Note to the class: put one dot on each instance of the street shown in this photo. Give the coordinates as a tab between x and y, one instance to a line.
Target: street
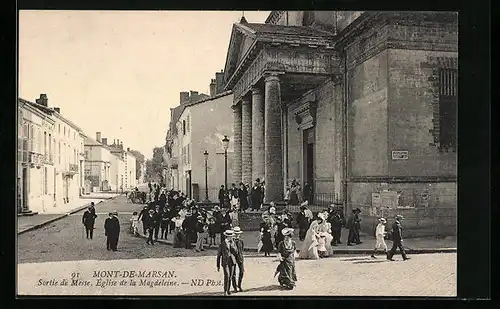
57	251
64	240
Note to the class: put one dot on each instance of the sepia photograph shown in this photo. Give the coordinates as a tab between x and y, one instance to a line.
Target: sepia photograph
237	153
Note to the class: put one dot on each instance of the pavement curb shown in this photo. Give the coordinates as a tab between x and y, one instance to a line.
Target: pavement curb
335	251
75	210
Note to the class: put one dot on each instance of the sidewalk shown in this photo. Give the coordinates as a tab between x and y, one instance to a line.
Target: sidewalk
29	223
100	195
413	245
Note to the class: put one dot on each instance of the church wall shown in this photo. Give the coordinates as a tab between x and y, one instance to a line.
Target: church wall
411	114
294	149
367	117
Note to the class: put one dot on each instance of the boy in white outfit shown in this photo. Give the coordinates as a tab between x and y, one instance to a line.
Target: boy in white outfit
379	234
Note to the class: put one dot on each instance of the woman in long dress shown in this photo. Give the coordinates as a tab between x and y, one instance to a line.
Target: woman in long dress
265	236
286	269
309	248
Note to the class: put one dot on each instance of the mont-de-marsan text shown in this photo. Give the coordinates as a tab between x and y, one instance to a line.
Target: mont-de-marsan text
134	274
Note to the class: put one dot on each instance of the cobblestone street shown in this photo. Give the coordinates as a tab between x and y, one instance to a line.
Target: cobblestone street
423	275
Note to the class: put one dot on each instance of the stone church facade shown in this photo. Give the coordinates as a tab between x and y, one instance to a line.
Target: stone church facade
361	105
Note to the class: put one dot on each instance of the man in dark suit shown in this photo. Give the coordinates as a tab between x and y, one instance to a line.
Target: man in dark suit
222	196
227	257
88	221
397	239
336	221
354	224
239	259
112	231
157	221
148	224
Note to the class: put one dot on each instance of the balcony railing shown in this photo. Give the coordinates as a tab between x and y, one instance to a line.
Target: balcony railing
48	159
35	159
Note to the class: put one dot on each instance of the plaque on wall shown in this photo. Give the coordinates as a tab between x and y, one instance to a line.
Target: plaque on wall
389	199
400	154
376	204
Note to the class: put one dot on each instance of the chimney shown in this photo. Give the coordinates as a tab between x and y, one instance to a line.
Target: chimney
57	109
212	88
104	141
121	145
118	143
219	82
193	96
184	97
98	136
114	142
128	149
42	100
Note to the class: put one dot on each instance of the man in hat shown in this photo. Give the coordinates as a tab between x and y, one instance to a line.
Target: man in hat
379	235
149	225
256	194
335	220
187	228
222	195
353	224
226	256
200	227
157	216
239	259
112	231
303	222
88	221
397	239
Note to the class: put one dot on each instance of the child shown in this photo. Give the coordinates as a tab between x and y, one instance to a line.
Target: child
322	244
379	234
211	231
135	223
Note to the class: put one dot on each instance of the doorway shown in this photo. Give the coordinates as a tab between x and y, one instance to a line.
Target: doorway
309	151
188	184
25	189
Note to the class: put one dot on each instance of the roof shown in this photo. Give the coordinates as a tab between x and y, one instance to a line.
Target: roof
92	142
220	95
286	30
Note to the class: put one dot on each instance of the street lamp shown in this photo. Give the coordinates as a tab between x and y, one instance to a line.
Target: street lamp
205	154
225	144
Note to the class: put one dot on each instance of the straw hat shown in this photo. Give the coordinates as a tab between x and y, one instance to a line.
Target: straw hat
321	216
287	231
272	210
399	217
216	208
237	230
199	217
382	220
229	233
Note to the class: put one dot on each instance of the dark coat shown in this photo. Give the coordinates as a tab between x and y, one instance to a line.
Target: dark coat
239	245
243	196
302	220
148	221
397	231
112	227
88	219
256	195
157	219
227	254
222	194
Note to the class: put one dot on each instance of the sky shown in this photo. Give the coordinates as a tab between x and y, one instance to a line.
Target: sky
120	72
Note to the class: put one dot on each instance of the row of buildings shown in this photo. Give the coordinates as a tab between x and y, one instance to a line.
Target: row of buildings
360	105
57	162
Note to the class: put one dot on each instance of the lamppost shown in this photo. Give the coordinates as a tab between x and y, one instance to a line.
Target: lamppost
225	144
205	154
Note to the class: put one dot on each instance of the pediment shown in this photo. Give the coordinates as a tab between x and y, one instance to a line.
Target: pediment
241	40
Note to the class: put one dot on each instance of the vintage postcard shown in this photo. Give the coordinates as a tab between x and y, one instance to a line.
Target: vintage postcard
230	153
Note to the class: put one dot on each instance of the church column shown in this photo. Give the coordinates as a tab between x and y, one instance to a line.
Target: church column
237	143
258	150
246	140
273	143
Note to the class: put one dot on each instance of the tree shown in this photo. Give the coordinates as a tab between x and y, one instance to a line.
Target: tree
154	167
138	162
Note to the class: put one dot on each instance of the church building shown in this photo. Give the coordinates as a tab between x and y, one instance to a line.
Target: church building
360	105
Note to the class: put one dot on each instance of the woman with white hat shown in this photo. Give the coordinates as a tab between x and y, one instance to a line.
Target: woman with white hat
309	249
286	269
379	234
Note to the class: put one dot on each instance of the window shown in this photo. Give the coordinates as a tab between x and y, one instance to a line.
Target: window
45	143
188	152
50	146
64	132
45	185
59	153
448	101
59	126
184	127
86	154
187	124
